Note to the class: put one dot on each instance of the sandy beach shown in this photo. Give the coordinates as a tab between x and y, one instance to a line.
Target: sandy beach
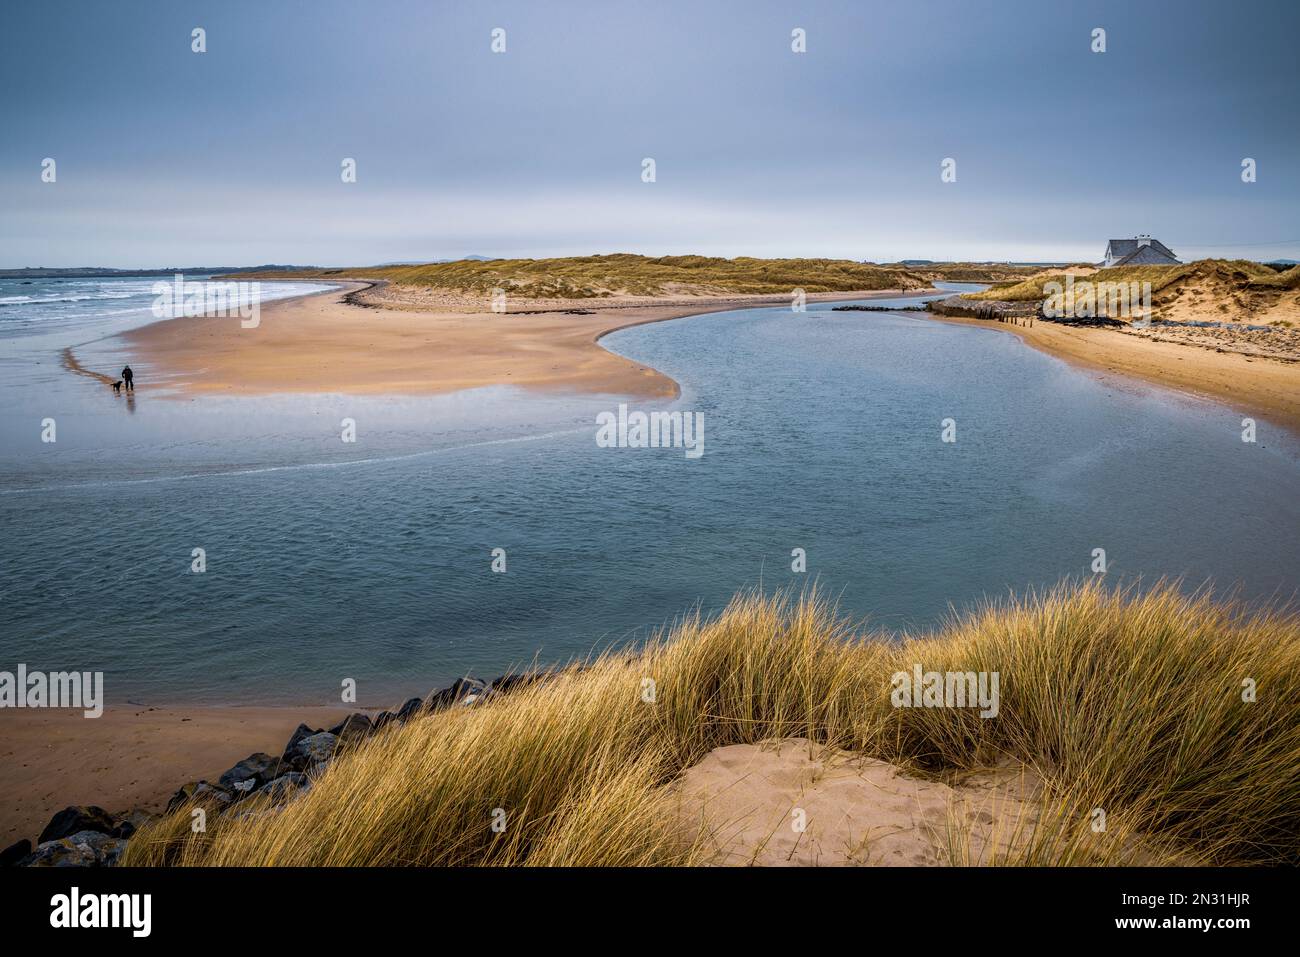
321	343
390	345
131	757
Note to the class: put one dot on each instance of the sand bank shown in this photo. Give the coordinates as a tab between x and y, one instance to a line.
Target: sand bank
321	343
389	345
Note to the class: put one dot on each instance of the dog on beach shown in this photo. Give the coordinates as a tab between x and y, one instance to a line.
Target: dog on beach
117	387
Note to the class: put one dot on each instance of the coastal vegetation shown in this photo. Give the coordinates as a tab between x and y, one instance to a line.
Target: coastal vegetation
1235	280
624	274
1177	716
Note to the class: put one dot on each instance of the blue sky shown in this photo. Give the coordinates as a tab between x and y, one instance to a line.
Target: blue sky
168	157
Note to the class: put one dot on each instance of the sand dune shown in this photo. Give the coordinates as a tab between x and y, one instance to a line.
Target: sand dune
791	802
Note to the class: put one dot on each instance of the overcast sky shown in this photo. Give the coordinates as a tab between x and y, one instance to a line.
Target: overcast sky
169	157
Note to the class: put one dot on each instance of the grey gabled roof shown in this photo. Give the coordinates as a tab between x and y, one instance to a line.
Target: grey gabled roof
1123	248
1147	256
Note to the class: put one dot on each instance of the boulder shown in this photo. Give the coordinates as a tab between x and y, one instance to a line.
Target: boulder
296	757
353	728
76	818
250	773
384	719
128	824
285	787
14	853
300	732
511	682
199	792
409	710
82	849
462	690
317	749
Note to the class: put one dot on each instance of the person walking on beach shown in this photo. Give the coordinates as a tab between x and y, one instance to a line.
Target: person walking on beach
128	378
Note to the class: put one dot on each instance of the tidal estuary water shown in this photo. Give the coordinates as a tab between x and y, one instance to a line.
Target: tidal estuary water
373	560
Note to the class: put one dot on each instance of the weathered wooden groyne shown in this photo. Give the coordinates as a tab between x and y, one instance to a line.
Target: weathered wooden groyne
995	310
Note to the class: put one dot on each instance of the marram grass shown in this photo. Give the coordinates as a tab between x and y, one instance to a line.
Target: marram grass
1126	701
1246	275
626	274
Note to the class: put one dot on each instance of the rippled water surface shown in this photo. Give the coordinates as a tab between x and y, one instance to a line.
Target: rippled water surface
371	560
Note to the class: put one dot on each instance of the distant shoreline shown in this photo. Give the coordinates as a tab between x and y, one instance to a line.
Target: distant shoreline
360	338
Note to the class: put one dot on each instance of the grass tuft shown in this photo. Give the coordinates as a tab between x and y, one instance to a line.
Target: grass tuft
1122	700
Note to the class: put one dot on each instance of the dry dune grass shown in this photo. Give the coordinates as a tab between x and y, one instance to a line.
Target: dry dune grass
1205	290
626	274
1116	700
1240	271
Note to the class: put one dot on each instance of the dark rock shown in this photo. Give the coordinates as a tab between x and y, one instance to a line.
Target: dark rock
316	749
384	719
14	853
128	824
511	682
300	732
294	759
82	849
409	710
250	773
77	818
285	786
462	690
353	728
199	792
